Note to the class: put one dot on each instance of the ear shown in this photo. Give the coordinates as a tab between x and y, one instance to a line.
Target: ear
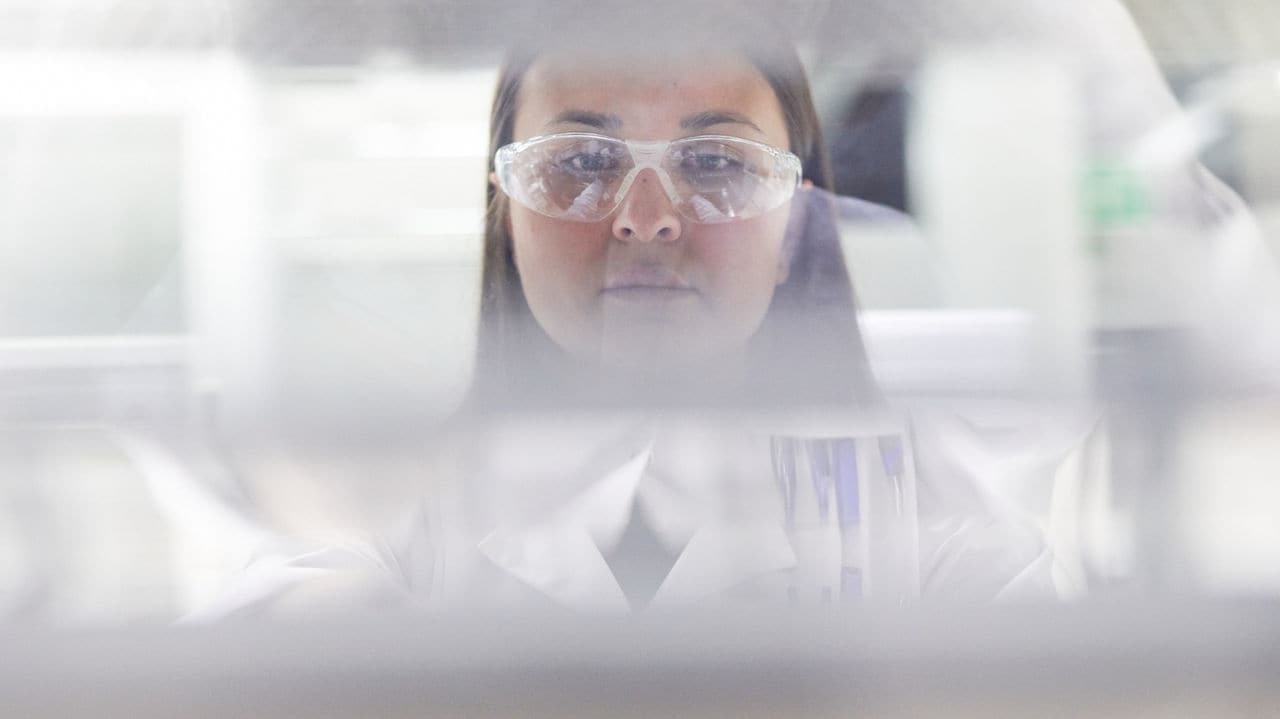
497	186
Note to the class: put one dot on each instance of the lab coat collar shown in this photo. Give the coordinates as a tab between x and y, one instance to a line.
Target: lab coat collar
564	563
560	561
723	555
562	555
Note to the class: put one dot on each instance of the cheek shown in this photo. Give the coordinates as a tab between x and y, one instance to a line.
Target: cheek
740	265
554	253
561	266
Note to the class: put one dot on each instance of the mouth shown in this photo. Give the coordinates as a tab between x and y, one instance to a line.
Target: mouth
647	284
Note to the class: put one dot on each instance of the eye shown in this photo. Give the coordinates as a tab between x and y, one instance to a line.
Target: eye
590	158
591	162
709	160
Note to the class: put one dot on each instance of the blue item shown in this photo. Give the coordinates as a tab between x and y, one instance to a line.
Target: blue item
819	451
846	480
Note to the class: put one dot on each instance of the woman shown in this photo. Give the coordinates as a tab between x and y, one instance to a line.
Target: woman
657	238
731	302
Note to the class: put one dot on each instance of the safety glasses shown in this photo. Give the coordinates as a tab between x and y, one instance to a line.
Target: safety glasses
584	176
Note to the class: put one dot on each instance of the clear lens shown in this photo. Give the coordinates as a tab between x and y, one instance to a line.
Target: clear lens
721	180
571	177
714	179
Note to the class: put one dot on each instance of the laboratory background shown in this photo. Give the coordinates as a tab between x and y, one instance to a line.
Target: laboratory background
240	282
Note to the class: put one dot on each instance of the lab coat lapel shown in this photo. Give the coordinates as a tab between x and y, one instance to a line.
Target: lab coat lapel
560	561
722	555
561	556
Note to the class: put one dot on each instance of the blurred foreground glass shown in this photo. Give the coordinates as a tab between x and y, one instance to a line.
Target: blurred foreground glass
264	277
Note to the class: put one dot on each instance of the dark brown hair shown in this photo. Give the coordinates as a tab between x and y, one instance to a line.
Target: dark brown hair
810	330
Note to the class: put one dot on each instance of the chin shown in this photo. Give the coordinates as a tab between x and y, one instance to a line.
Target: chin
666	354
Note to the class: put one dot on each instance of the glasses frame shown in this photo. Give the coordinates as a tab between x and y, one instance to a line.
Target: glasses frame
645	154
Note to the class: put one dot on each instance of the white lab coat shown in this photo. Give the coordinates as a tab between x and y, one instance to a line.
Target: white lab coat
533	508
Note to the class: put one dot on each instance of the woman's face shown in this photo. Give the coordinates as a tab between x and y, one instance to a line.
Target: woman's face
646	288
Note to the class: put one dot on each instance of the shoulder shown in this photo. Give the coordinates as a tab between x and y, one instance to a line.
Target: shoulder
852	209
310	576
817	203
988	483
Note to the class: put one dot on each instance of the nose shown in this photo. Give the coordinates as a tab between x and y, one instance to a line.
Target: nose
646	213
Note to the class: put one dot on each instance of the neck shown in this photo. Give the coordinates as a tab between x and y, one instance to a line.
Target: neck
706	381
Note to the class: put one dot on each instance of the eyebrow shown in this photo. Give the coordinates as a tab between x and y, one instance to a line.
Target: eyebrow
695	122
598	120
703	120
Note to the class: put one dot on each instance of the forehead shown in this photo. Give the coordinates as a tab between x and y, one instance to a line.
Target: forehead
649	98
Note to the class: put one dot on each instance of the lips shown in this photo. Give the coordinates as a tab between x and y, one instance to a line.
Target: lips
646	284
647	277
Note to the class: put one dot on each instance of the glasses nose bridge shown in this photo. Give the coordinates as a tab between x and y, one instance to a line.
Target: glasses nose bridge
648	155
650	209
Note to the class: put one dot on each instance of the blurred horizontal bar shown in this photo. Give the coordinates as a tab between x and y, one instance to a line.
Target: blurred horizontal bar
1140	659
87	352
